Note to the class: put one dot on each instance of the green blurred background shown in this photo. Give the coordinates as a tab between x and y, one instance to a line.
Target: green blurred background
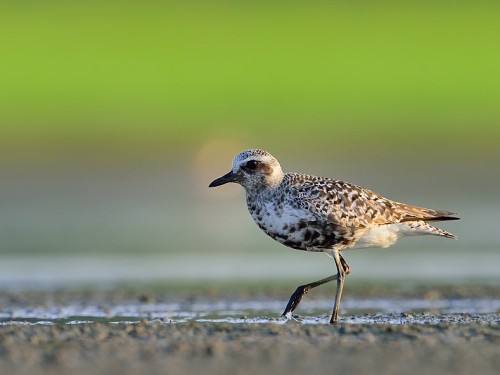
115	116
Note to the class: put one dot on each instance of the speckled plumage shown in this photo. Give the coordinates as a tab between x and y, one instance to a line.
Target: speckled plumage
317	214
322	214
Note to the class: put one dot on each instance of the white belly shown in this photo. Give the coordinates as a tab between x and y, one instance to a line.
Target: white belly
387	235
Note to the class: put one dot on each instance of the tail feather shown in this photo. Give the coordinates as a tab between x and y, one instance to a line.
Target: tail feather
443	218
416	218
416	228
412	213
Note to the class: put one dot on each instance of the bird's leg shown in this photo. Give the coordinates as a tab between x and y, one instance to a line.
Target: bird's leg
303	289
343	269
296	297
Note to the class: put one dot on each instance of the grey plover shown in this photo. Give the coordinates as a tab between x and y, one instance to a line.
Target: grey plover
325	215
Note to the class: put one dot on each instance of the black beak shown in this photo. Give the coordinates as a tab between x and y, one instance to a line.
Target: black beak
228	177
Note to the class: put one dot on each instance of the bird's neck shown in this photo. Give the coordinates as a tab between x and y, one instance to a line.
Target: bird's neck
264	191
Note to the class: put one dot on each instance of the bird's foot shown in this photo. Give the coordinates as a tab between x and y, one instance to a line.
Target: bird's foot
295	299
334	320
292	318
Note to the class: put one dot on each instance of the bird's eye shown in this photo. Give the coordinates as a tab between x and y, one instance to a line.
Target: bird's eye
252	165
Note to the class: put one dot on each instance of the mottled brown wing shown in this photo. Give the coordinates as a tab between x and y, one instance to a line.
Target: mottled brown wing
345	204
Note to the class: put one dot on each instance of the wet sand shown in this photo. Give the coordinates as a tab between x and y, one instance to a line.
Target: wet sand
391	343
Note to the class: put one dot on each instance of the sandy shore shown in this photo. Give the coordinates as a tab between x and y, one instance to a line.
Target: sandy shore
459	343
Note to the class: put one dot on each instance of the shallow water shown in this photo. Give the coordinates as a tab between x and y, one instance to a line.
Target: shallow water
356	311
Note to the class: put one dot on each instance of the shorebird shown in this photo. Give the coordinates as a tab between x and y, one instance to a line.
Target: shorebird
321	214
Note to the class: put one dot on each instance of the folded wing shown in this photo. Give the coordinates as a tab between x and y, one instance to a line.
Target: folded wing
350	205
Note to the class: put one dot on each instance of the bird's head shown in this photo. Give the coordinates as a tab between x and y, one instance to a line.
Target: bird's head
254	170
